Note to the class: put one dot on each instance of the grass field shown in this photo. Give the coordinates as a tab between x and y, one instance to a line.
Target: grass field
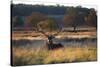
26	56
23	55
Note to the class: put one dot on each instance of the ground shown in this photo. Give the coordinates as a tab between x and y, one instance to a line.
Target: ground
23	55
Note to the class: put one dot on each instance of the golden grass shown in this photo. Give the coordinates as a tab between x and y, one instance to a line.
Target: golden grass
25	56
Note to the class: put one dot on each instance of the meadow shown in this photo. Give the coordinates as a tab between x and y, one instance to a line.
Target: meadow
78	47
29	56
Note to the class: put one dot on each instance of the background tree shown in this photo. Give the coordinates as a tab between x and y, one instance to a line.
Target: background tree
17	21
49	24
73	18
91	19
35	18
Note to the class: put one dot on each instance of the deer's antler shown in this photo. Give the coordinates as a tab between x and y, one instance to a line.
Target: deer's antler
39	29
58	32
60	29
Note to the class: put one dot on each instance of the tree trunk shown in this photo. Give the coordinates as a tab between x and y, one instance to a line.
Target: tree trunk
74	30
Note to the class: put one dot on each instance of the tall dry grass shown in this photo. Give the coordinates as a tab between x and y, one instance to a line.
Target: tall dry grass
26	56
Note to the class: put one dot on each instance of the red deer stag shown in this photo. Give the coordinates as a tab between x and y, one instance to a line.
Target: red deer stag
50	45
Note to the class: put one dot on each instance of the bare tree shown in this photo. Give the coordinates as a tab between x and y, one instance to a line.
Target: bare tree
73	18
91	19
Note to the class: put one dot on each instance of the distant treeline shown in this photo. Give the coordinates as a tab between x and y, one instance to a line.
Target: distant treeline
25	10
52	17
